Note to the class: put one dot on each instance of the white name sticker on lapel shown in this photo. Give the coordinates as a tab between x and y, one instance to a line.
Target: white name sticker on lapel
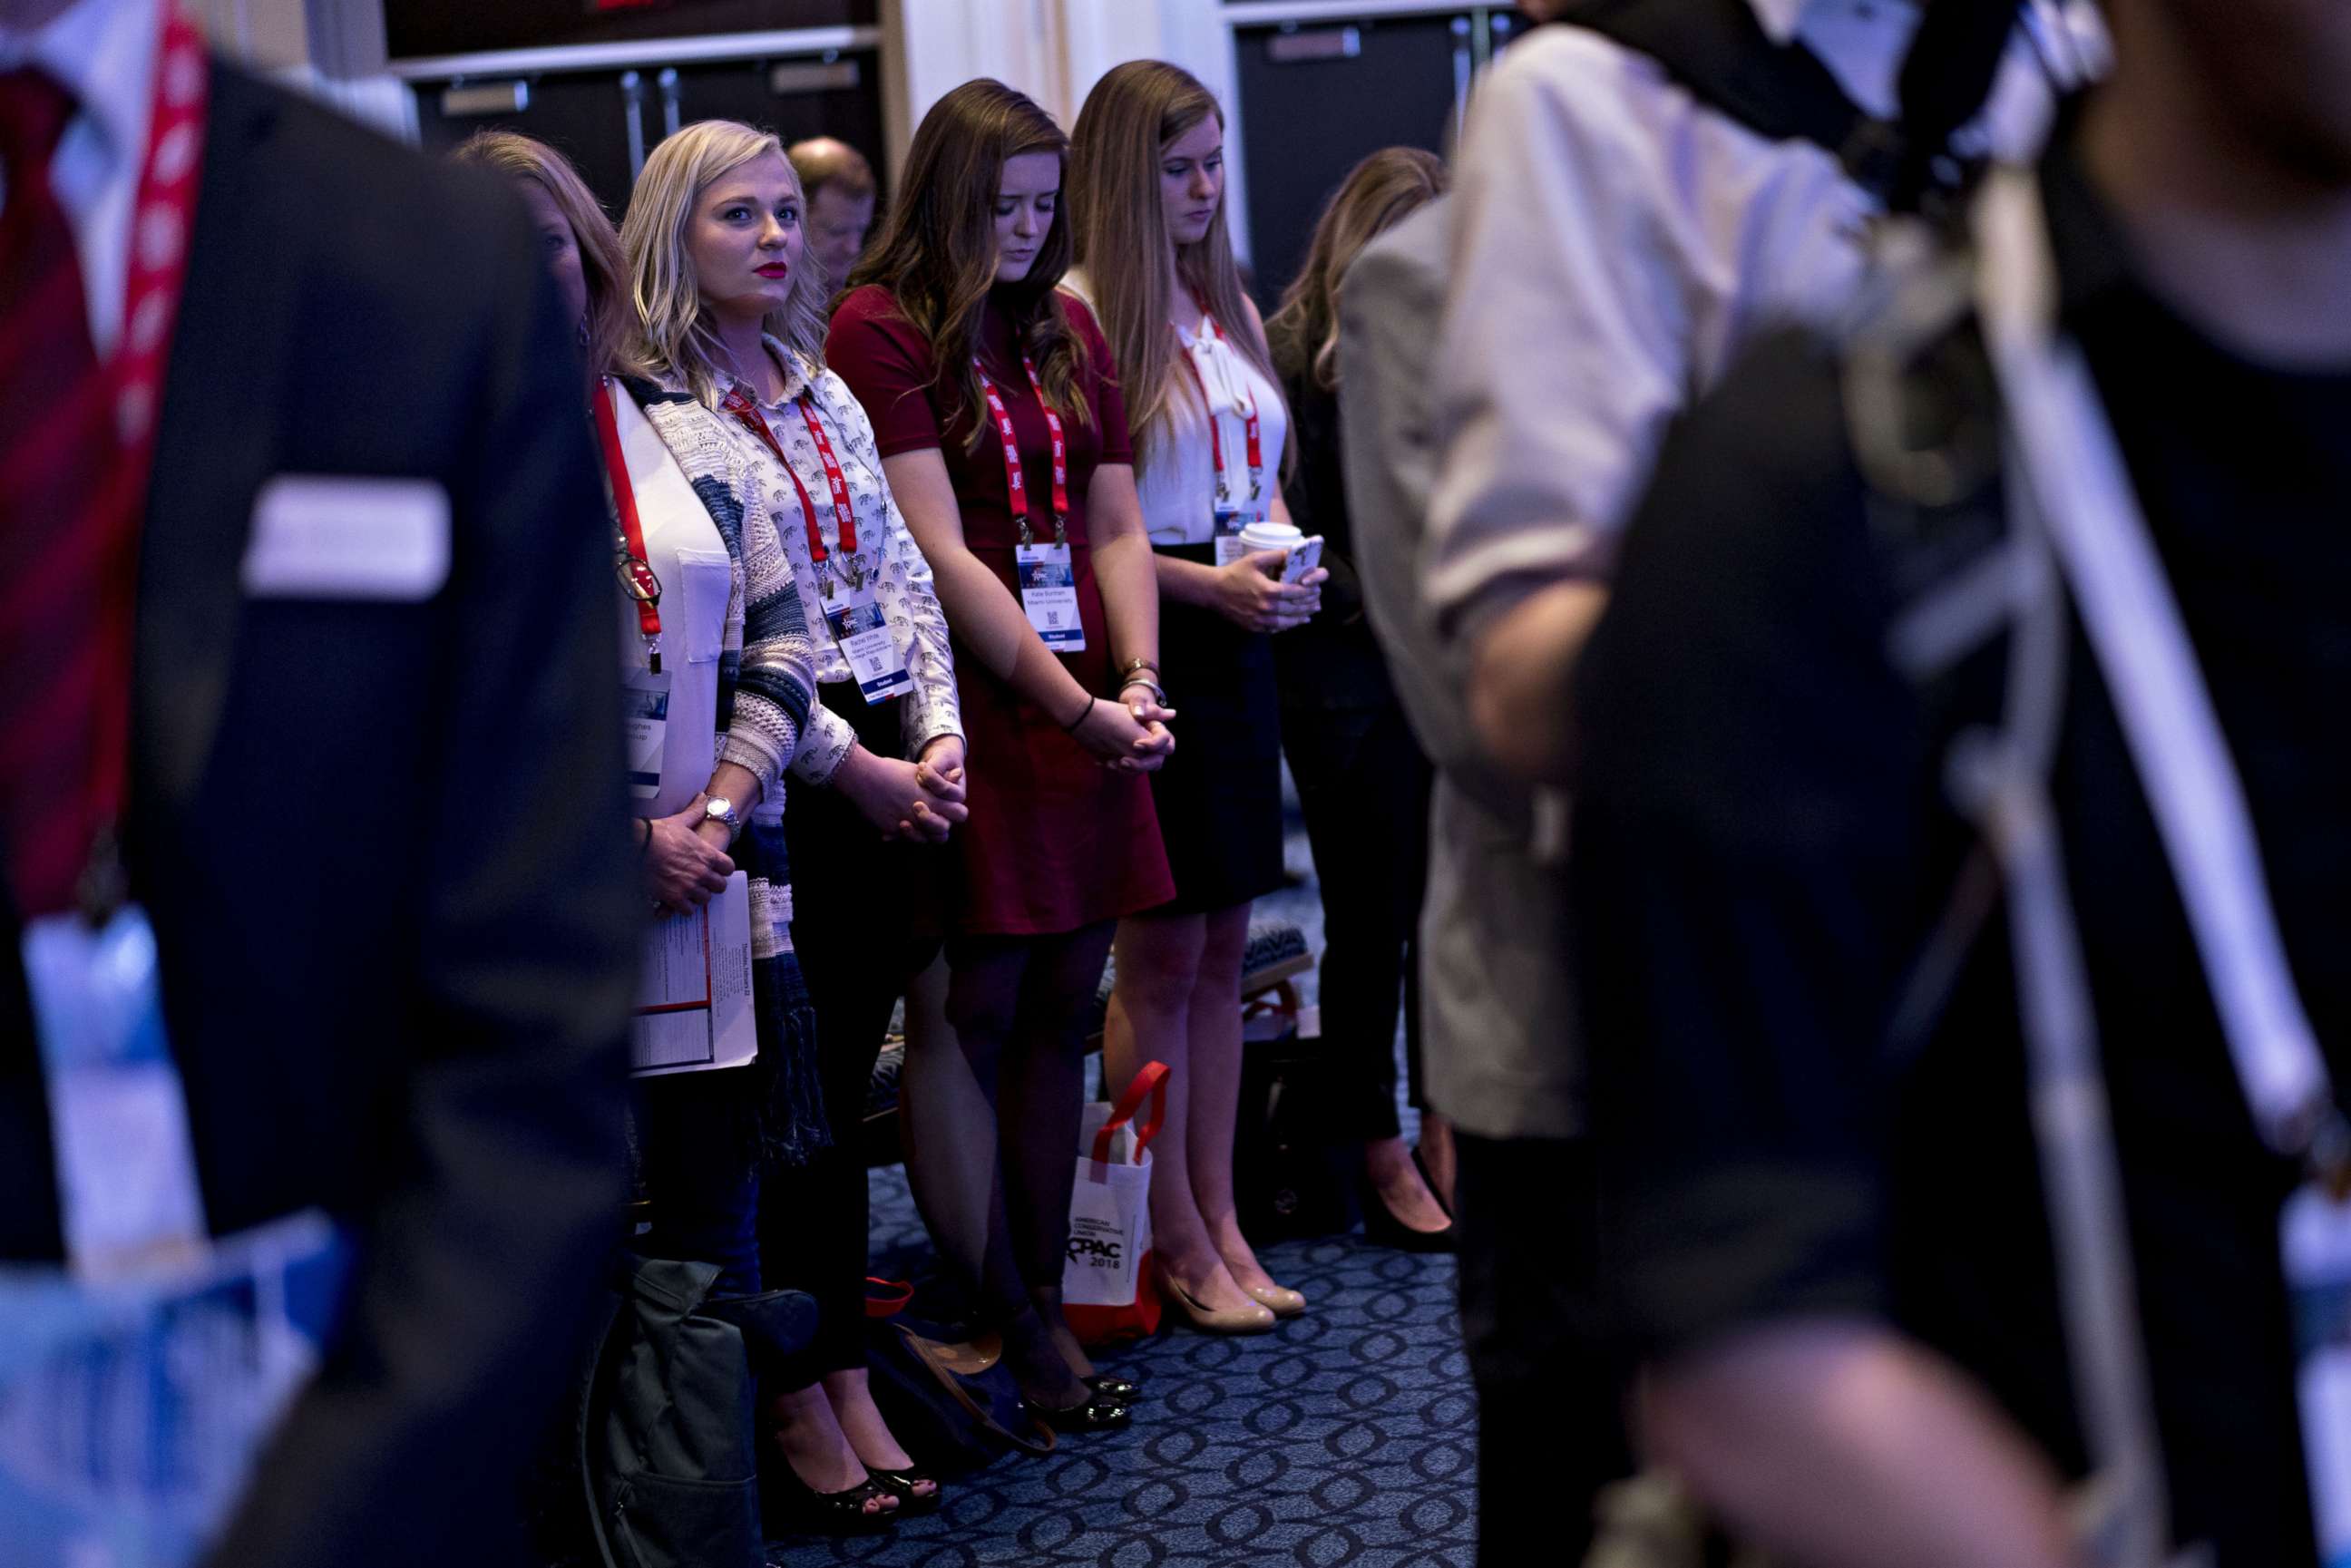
341	536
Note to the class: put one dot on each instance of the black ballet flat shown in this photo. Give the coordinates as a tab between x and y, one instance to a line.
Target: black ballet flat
901	1484
1096	1414
1118	1389
790	1506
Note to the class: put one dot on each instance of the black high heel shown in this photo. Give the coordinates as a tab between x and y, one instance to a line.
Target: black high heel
790	1506
1093	1413
1028	1342
901	1484
1383	1229
1118	1389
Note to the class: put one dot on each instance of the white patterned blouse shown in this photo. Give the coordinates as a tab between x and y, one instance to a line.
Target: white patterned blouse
902	582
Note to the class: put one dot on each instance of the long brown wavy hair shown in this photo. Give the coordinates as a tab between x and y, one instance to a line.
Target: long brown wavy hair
1378	194
612	318
936	255
1129	119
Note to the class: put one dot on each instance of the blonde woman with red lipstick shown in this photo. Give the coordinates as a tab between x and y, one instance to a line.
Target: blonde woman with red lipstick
731	302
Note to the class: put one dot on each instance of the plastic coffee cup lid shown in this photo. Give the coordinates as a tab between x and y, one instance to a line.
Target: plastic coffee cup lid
1270	535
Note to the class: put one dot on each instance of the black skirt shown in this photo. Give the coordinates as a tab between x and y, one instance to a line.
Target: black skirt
1219	795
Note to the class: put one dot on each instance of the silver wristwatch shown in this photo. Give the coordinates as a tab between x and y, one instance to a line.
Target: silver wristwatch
718	809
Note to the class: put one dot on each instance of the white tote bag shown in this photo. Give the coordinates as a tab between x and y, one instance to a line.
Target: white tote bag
1107	1291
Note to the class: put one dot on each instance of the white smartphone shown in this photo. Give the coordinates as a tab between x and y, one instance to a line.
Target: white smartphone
1304	556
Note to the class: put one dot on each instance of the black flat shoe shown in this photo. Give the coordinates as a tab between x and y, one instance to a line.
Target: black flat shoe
1097	1414
901	1484
1116	1389
1383	1229
790	1506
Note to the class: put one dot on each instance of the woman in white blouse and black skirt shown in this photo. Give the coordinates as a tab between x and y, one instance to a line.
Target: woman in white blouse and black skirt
733	318
1146	178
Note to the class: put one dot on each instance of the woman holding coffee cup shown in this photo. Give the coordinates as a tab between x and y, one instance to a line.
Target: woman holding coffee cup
1147	173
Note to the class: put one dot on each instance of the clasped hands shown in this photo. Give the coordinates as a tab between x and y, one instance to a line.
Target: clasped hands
685	858
1131	735
921	800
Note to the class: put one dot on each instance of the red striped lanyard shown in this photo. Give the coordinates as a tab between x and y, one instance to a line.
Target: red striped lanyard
1016	492
637	579
162	223
1249	424
845	515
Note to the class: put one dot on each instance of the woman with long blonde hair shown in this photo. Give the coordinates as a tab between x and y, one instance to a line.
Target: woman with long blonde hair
1147	185
719	691
730	305
1361	779
1379	192
1005	439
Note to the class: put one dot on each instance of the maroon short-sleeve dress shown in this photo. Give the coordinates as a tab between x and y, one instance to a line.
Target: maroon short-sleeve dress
1055	842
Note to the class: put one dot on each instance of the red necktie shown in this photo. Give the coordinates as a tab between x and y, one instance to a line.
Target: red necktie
56	454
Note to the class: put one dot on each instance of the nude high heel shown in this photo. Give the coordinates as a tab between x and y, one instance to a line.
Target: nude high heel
1279	1299
1256	1319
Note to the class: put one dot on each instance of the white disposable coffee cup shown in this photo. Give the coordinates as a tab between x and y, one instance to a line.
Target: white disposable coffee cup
1270	535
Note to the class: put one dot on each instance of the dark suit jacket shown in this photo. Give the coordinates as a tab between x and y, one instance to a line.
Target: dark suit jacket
383	844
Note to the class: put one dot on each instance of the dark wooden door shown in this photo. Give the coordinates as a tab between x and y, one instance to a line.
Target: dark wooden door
1315	99
605	122
415	29
584	115
796	97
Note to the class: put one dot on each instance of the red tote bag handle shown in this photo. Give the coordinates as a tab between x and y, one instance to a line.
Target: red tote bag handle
887	1298
1151	1082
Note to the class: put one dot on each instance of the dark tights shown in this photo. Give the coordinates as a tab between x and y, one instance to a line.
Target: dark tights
858	906
994	1087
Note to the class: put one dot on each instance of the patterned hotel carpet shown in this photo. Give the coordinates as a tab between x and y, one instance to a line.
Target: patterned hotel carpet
1347	1436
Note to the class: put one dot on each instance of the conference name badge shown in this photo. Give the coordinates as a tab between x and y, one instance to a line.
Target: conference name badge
1049	593
855	619
1231	517
644	729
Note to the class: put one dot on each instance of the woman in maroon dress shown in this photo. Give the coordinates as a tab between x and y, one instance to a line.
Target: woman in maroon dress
1004	438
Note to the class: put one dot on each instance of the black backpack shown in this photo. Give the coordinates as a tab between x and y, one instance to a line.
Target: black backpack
667	1430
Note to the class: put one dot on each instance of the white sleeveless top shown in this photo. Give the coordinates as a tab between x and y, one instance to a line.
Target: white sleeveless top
1177	475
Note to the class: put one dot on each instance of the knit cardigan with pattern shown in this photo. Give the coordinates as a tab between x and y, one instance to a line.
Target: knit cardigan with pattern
765	691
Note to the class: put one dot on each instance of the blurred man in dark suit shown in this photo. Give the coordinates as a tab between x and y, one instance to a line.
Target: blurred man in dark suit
310	657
